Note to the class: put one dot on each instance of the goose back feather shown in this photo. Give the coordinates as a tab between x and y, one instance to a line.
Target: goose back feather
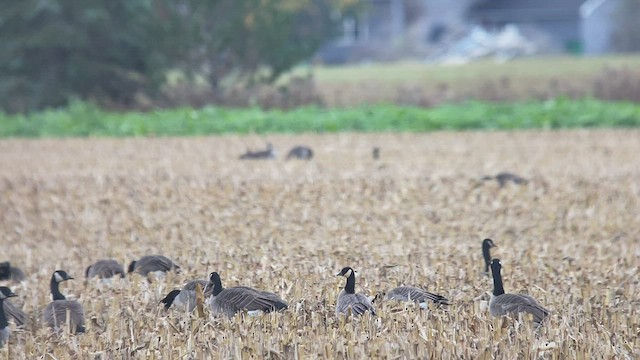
104	269
410	293
152	263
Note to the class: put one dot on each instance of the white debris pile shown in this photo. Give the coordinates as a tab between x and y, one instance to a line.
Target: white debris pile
478	42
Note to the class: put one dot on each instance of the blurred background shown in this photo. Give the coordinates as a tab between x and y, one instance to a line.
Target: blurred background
150	54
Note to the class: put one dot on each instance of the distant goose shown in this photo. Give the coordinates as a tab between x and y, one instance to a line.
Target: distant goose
348	299
512	304
236	299
417	295
504	177
487	244
185	299
55	314
300	152
104	269
269	153
375	153
8	272
156	264
5	293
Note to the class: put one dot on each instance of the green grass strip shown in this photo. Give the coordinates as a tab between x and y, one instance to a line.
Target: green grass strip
81	119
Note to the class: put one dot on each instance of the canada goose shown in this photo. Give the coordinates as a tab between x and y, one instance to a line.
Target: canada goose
152	264
375	153
348	299
504	304
269	153
8	272
300	152
504	177
487	244
55	314
233	300
422	297
185	299
5	293
104	269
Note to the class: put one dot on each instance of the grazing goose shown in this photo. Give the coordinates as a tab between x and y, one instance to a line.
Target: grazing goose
185	299
104	269
504	177
348	299
269	153
55	314
157	264
487	244
422	297
8	272
300	152
233	300
512	304
5	293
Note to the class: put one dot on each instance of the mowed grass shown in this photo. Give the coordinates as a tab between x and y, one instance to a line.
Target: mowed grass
85	120
416	217
520	78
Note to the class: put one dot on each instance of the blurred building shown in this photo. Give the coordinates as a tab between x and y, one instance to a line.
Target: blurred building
395	29
598	25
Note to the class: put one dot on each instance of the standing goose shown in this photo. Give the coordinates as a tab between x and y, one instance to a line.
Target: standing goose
233	300
512	304
348	299
156	264
8	272
5	293
104	269
55	314
185	299
487	244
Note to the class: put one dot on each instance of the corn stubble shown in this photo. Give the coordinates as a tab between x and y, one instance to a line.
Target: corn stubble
417	216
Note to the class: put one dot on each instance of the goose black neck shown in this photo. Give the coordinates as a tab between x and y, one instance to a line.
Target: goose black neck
55	291
3	317
217	284
497	282
487	256
350	288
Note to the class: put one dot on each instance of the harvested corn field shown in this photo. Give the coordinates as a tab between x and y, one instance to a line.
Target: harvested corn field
570	237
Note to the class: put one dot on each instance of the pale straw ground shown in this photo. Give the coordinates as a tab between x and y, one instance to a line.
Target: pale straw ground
570	238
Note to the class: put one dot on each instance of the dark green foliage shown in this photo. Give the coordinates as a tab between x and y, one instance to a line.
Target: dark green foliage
110	52
81	119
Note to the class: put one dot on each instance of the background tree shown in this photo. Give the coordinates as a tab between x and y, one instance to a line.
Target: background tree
110	51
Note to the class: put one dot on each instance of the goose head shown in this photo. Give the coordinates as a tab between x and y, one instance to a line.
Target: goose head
5	293
60	276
